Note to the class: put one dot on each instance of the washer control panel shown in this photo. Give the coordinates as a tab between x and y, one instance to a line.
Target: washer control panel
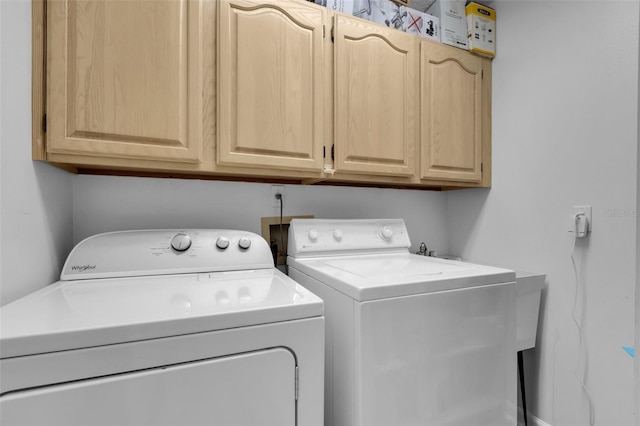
169	251
309	237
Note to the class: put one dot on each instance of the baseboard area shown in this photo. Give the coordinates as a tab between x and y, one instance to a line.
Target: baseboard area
533	420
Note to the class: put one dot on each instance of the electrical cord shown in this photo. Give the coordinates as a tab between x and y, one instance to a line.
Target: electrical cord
284	249
577	323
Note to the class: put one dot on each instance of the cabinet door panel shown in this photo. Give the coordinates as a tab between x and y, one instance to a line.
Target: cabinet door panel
376	86
270	84
451	114
124	79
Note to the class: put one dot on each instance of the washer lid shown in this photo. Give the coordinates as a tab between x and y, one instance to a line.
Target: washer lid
85	313
379	276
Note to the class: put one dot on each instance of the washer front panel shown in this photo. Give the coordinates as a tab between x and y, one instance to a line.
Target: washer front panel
444	358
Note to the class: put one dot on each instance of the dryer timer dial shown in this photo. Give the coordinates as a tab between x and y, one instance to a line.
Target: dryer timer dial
181	242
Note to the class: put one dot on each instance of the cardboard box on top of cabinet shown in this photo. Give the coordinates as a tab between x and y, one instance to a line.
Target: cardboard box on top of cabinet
423	25
481	29
453	23
402	2
364	7
344	6
383	12
391	14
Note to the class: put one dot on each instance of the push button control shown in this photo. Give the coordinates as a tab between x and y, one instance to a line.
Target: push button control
222	243
244	243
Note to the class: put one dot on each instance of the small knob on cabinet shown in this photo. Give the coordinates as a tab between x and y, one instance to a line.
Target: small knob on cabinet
222	243
181	242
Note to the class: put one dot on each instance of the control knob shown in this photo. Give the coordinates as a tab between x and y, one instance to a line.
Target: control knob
313	235
181	242
222	243
337	234
244	243
386	232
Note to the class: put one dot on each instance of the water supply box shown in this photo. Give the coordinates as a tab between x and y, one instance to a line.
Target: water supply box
481	29
453	23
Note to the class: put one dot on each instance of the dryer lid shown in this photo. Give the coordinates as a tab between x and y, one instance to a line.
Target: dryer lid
376	276
86	313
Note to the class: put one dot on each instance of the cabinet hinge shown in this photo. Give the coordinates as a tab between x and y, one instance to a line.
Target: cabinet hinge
324	152
324	31
297	384
44	123
482	75
481	167
333	26
333	152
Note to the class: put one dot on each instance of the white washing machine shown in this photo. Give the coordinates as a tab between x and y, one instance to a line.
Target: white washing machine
410	340
164	327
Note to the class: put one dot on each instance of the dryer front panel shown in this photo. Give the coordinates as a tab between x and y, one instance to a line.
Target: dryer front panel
250	389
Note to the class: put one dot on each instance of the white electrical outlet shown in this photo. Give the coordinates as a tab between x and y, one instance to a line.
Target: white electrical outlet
276	189
586	211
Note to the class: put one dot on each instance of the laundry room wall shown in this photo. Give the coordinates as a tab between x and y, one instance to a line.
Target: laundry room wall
637	345
565	133
35	198
108	203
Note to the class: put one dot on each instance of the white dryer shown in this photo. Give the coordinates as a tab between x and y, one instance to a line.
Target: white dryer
410	340
164	327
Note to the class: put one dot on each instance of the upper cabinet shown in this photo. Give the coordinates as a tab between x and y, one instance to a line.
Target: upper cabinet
268	90
376	98
124	79
451	114
270	84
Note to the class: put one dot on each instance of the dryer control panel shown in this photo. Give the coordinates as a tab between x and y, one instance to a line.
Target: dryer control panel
317	237
167	251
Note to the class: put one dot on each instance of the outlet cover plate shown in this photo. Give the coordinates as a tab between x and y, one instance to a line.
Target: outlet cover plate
580	209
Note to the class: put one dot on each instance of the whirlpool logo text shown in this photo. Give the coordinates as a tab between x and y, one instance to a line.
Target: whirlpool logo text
82	268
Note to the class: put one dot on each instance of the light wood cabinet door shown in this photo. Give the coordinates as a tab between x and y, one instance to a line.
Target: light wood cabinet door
451	114
270	84
124	79
376	98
